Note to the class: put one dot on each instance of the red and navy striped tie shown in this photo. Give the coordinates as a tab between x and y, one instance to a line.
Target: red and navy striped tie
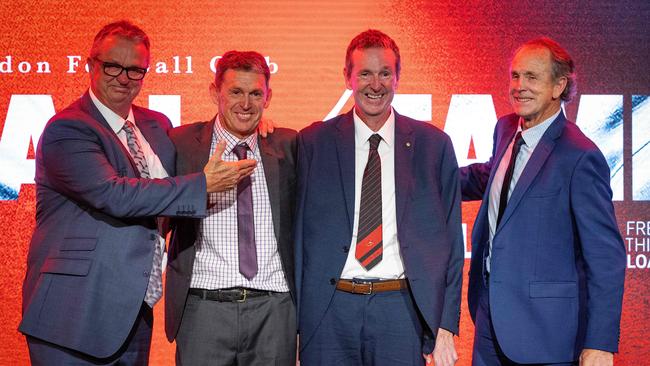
369	236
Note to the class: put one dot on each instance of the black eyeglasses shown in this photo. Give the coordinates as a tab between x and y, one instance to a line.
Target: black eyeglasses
114	70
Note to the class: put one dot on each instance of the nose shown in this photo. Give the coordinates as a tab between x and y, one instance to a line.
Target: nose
246	102
517	83
375	83
122	78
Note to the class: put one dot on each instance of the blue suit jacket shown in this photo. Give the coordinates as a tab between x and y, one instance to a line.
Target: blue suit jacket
91	252
558	260
428	218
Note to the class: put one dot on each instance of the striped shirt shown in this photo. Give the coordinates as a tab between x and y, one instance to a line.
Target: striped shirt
216	264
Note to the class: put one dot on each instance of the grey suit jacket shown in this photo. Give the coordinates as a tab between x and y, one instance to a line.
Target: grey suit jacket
193	150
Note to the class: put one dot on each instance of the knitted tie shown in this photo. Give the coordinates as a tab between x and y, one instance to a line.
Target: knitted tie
369	236
154	288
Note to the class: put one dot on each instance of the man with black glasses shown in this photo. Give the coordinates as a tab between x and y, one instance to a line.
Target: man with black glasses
102	178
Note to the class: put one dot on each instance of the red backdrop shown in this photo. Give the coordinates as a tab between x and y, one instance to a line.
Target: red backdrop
448	51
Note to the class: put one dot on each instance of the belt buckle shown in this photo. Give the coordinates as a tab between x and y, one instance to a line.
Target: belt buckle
354	287
243	299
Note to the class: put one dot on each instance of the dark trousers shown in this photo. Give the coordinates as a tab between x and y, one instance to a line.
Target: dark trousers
487	351
363	330
134	352
258	331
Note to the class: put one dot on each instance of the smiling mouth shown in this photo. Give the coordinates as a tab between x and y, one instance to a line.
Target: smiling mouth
244	116
121	89
522	99
374	96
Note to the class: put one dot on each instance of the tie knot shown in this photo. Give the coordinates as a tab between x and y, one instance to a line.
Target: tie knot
374	141
128	126
519	140
240	151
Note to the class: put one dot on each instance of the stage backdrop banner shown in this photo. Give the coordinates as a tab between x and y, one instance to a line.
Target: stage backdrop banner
454	74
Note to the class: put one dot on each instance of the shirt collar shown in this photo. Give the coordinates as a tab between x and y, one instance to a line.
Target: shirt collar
532	135
231	140
362	132
113	119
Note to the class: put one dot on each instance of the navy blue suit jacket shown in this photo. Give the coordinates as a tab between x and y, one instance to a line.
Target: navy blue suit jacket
558	260
428	218
91	252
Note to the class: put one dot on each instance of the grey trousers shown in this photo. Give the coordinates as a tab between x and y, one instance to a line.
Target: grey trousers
259	331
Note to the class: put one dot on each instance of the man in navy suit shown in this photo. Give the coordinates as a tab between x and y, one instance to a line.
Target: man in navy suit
548	262
102	177
379	247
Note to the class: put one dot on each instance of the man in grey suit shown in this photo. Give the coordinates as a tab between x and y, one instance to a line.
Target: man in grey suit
230	275
102	166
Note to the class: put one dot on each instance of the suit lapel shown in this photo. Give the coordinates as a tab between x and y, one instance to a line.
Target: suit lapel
404	184
533	166
203	141
346	155
507	136
89	107
271	162
157	139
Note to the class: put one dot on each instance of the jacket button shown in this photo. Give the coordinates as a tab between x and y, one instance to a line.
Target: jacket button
332	281
152	236
145	274
346	249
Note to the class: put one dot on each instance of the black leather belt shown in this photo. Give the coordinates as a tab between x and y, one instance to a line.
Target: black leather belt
370	287
235	294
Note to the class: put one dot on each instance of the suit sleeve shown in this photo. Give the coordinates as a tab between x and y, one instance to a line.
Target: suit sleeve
302	175
451	198
474	177
76	165
602	248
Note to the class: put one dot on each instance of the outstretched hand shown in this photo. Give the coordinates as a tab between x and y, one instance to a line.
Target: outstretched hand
224	175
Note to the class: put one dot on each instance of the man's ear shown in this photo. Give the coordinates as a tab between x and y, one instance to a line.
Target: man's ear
214	94
559	87
348	85
90	63
269	94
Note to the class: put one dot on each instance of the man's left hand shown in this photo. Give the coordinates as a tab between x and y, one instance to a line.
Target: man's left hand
596	357
444	352
265	126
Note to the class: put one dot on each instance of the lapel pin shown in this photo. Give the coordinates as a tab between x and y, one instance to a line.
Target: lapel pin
408	144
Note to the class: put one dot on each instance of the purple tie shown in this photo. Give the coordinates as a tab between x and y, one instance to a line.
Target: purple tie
245	222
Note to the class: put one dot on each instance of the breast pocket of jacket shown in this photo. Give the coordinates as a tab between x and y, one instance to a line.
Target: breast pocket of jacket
544	193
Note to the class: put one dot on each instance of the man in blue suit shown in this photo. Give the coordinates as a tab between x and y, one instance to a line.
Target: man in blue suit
379	247
548	262
102	167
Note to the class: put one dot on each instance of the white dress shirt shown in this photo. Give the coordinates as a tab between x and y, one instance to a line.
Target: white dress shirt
391	266
156	169
531	138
